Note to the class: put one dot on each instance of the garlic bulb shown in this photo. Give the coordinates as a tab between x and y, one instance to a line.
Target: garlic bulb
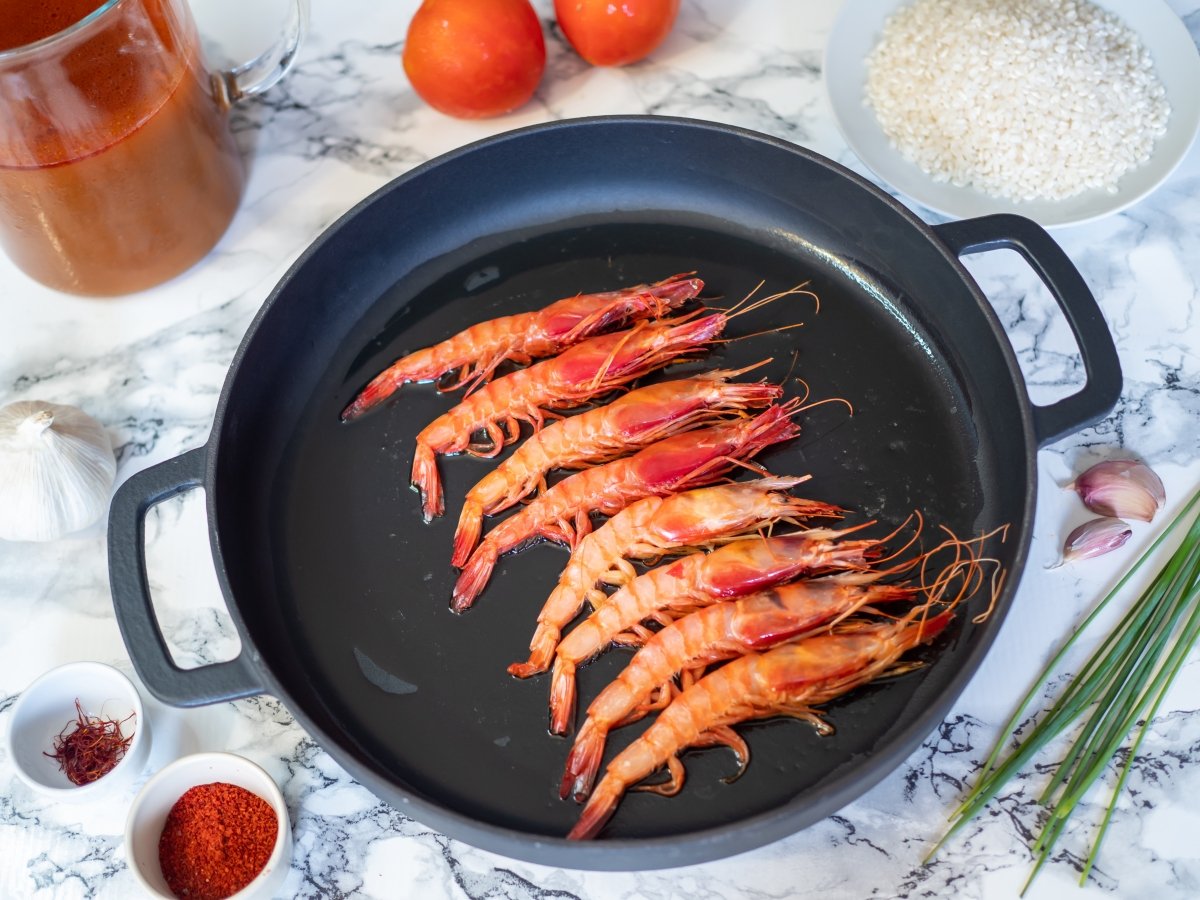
57	470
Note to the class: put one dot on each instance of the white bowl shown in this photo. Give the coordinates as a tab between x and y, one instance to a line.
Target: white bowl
855	33
48	705
148	815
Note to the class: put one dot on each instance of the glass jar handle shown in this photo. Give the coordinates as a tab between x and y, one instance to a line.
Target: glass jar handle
260	73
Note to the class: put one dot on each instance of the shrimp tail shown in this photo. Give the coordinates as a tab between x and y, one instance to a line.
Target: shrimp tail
379	389
541	652
525	669
583	762
562	696
474	576
425	479
466	535
599	809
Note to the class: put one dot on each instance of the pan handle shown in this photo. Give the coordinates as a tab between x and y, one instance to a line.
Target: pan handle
131	593
1100	362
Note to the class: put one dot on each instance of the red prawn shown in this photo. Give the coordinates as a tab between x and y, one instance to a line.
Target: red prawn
476	352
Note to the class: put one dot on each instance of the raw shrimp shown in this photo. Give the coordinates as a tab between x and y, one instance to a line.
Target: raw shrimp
676	463
668	592
636	420
790	680
587	370
651	527
718	632
476	352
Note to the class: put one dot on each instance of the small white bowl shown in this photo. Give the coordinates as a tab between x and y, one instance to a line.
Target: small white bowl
148	815
48	705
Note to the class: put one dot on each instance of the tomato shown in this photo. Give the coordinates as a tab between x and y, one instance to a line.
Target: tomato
615	32
474	58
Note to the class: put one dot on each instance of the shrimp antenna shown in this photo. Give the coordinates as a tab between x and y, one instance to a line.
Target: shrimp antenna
792	368
856	577
967	565
797	405
807	390
905	566
734	373
678	319
832	534
742	337
754	290
602	371
744	463
801	406
748	304
999	575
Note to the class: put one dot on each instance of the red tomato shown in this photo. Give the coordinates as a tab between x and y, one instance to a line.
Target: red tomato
615	32
475	58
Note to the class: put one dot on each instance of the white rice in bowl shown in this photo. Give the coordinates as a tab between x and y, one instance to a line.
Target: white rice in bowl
1020	99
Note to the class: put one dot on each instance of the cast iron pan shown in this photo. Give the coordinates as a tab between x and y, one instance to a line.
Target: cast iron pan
340	592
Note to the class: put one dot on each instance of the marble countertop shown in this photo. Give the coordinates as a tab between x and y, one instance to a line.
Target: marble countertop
151	367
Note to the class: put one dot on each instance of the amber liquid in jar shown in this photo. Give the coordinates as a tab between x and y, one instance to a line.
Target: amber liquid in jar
144	182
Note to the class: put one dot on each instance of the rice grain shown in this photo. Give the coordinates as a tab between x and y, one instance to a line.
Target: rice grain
1021	99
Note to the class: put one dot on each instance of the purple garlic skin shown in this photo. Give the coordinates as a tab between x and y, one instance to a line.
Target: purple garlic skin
1121	488
1094	538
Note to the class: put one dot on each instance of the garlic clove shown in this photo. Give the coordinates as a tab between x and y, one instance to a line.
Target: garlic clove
1122	488
1094	538
57	469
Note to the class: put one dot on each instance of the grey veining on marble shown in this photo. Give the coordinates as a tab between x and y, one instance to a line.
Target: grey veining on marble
152	367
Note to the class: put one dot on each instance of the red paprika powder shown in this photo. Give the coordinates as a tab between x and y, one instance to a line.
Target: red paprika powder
216	839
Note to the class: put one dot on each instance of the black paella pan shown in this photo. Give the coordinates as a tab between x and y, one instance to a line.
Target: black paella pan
340	592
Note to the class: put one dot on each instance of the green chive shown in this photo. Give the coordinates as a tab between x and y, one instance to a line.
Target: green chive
1119	687
1179	655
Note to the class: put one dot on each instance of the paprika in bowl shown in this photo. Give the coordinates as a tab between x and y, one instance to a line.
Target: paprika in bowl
209	826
